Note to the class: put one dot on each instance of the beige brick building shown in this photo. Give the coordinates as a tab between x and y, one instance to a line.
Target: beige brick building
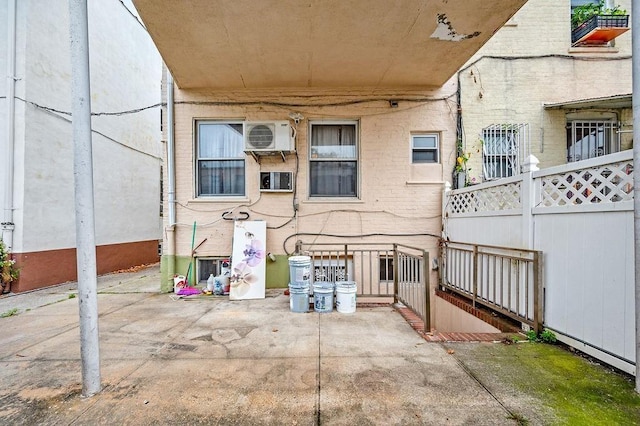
530	73
373	87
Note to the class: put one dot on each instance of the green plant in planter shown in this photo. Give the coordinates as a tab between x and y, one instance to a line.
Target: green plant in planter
585	12
8	270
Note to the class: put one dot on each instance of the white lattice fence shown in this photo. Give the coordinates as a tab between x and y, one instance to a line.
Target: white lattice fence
609	183
486	199
579	216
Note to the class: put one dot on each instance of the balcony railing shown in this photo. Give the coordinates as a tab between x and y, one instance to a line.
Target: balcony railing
506	280
380	270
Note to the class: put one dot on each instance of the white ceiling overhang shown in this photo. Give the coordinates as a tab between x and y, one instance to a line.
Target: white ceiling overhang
252	44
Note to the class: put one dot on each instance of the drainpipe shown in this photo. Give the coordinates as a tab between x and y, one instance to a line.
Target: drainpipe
635	43
171	174
7	225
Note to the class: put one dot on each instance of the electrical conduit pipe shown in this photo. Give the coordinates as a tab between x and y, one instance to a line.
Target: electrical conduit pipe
7	225
170	232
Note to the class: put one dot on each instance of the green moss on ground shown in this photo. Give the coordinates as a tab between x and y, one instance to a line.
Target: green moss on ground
577	390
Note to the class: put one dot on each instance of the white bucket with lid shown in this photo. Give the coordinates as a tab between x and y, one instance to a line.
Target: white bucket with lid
299	298
300	270
346	296
323	297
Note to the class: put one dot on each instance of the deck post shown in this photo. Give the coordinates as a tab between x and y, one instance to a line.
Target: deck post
538	292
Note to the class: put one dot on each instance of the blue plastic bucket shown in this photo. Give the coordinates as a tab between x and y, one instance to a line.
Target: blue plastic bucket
300	270
346	297
299	298
323	297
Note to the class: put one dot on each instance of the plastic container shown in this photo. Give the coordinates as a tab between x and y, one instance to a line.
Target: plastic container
299	298
346	297
211	283
323	297
179	282
300	270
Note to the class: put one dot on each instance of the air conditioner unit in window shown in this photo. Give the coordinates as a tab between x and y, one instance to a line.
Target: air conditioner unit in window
268	136
276	181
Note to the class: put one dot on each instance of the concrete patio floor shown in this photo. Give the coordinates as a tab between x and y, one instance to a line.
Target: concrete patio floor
213	361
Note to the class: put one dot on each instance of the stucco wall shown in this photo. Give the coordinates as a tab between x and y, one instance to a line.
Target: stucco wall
529	63
395	196
125	75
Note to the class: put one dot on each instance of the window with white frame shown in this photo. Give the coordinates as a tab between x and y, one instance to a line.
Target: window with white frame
425	148
333	159
503	147
591	138
220	168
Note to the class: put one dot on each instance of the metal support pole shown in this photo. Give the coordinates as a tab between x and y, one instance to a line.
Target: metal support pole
635	39
83	178
427	291
346	264
475	275
395	273
538	293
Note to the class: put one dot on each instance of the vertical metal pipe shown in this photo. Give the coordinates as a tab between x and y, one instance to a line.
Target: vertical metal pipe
538	293
395	273
84	208
635	38
474	282
346	263
171	168
7	225
171	175
427	291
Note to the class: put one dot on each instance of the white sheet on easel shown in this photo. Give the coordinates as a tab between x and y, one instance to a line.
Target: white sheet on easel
248	277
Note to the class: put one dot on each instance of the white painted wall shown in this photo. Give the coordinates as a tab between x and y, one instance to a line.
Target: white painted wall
125	75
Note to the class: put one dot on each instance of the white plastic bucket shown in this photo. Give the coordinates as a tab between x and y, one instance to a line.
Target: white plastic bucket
299	298
346	297
179	282
323	297
300	270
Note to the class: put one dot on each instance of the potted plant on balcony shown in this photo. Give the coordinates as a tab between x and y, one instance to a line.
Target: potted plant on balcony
591	16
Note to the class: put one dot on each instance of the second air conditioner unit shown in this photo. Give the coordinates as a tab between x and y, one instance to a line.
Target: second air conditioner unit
268	136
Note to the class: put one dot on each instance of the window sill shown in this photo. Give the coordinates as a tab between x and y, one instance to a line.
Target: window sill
424	182
330	200
594	49
201	200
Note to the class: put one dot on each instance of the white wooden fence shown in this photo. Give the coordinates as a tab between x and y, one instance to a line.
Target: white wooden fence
580	216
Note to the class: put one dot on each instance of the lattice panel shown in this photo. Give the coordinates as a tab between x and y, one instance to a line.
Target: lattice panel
610	183
495	198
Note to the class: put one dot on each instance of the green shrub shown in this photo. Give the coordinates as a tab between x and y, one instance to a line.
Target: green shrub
584	12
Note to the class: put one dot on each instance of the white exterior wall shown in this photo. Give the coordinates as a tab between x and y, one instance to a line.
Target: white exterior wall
497	88
125	75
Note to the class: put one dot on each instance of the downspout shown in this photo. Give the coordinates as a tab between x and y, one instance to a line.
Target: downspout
171	174
7	225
